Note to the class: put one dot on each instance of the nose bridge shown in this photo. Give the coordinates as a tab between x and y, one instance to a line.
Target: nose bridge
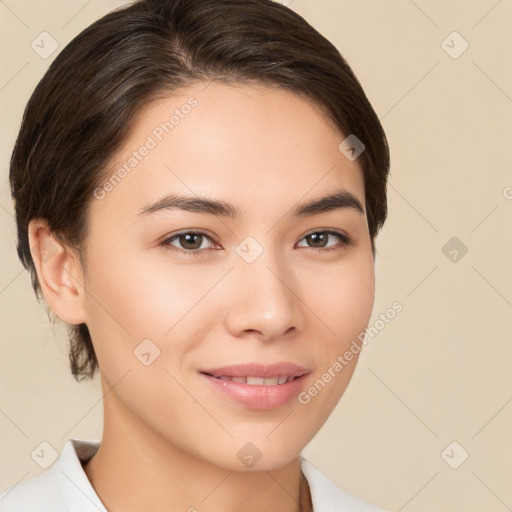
263	268
262	297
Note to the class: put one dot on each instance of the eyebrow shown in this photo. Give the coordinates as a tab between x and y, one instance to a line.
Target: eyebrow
340	199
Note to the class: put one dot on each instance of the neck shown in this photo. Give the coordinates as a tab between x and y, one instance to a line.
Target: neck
136	469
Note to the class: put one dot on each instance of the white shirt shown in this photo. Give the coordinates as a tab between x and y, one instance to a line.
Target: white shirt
66	488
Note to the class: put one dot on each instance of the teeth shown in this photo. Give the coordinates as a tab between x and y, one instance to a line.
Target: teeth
258	381
254	381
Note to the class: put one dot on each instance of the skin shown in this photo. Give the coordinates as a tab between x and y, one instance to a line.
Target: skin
170	440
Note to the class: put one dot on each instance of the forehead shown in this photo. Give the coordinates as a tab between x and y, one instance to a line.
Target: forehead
252	145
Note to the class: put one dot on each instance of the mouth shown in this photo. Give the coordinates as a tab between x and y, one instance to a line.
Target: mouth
258	386
256	381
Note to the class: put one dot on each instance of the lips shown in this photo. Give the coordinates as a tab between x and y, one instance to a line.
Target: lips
258	381
252	373
258	386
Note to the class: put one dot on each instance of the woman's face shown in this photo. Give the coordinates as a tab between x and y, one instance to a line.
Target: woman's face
267	284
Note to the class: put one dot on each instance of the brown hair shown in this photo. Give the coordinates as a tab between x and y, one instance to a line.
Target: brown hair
82	109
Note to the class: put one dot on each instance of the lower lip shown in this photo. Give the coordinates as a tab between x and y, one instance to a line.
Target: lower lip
259	397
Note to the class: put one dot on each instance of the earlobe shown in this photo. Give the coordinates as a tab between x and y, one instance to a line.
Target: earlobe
59	273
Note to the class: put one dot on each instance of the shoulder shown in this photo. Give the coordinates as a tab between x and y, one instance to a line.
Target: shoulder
63	488
39	493
326	496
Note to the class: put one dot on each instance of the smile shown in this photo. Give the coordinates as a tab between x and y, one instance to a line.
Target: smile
258	381
257	386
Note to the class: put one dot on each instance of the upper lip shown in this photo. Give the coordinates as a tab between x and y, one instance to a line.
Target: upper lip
283	369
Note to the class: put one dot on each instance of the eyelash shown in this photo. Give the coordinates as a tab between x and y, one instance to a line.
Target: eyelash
345	241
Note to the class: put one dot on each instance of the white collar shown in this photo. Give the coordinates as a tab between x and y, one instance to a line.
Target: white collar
75	488
66	487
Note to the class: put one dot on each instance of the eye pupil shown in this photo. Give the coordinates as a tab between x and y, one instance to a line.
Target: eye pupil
194	237
315	237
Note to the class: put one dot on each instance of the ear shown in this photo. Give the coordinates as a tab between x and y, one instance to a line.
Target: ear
59	273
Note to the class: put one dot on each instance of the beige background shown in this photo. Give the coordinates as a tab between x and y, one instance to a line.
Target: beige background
440	370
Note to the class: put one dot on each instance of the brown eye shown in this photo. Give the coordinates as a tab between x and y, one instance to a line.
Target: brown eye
320	239
189	242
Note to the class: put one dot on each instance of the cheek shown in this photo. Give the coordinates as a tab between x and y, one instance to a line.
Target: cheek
345	300
357	299
345	305
132	299
140	297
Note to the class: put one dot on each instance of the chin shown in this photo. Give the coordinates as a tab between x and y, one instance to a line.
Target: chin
260	454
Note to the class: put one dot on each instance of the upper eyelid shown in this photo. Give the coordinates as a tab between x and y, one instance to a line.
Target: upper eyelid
190	231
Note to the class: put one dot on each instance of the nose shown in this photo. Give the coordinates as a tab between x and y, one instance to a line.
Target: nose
263	299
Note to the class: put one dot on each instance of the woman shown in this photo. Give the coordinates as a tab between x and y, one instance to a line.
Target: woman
198	186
